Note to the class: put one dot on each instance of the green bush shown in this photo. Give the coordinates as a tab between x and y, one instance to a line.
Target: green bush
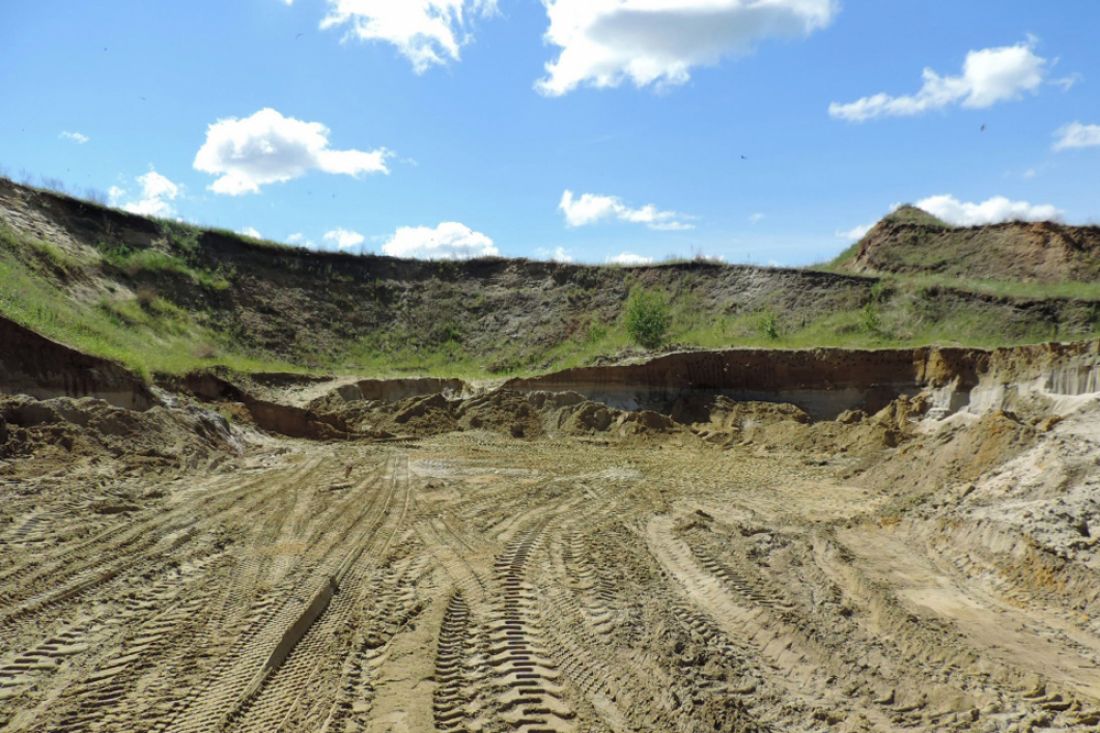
769	326
648	317
869	319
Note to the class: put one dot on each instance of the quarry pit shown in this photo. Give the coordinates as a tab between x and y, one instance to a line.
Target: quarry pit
732	540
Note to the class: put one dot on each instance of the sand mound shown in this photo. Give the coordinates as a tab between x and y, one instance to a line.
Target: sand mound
957	452
518	414
40	435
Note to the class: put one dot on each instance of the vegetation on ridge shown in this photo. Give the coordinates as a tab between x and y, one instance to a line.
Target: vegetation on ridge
648	317
167	297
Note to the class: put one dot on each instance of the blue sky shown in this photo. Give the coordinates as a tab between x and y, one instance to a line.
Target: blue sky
731	128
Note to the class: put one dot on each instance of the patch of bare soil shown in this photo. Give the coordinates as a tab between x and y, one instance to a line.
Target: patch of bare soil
542	561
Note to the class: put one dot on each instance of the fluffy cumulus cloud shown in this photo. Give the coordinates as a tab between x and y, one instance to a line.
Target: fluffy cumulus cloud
344	238
426	32
558	254
74	137
448	241
856	233
590	208
251	232
155	199
267	148
1077	135
606	42
300	240
629	258
992	211
989	76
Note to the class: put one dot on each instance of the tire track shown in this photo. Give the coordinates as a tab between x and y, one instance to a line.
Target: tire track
451	698
276	690
241	670
530	696
90	567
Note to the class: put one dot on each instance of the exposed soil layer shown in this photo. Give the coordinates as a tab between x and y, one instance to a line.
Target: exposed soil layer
828	382
531	559
33	365
279	417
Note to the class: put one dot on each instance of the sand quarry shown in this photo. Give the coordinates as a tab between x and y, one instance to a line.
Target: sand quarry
718	541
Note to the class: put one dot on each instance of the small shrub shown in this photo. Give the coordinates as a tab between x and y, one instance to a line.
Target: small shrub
769	326
182	238
446	332
869	319
596	333
648	317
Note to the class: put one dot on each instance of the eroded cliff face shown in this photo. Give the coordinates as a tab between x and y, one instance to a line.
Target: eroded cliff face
242	300
828	382
33	365
911	241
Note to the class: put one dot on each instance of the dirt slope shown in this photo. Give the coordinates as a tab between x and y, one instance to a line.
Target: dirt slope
165	297
33	365
912	241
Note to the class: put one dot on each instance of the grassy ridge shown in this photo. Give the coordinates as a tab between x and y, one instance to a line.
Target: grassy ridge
147	333
143	313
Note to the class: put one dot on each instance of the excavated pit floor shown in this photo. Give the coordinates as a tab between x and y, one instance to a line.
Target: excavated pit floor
475	582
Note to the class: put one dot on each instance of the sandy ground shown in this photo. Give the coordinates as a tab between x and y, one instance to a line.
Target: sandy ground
475	582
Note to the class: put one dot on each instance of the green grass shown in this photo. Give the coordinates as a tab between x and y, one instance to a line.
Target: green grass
134	262
380	358
1007	288
40	253
154	338
837	264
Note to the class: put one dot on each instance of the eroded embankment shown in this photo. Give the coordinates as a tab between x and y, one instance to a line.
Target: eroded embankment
33	365
828	382
267	414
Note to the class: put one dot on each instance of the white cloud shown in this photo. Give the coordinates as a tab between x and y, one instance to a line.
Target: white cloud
157	193
856	233
989	76
251	232
75	137
1066	83
268	148
629	258
1077	135
344	238
558	254
426	32
756	218
606	42
448	241
591	208
992	211
300	240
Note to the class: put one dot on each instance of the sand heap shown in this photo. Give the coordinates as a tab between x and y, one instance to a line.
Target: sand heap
43	435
